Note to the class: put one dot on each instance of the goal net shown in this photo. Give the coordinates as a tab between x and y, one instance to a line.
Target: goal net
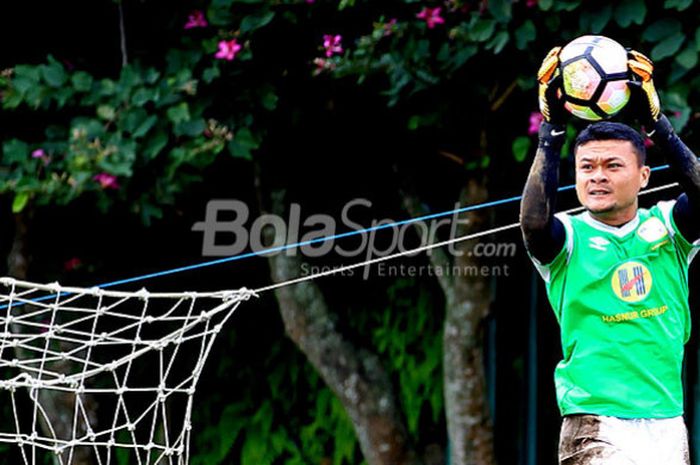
103	377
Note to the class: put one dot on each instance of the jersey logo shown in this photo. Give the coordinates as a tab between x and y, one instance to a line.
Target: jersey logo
631	281
599	243
652	230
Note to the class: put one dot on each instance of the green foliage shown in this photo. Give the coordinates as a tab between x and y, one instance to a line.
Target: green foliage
158	119
143	120
288	416
407	335
521	148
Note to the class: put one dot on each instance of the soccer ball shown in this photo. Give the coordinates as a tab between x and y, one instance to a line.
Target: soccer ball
594	77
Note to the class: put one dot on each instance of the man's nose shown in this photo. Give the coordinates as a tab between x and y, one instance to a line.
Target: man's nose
599	175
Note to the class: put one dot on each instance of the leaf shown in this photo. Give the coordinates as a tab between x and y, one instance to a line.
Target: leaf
595	20
679	5
179	113
106	112
253	22
498	42
15	151
81	81
545	5
566	5
130	77
219	15
667	47
677	72
661	29
107	87
54	73
145	126
688	58
155	145
211	73
242	144
501	10
677	102
190	128
132	118
20	201
521	147
142	96
680	119
483	30
525	34
458	59
630	11
269	100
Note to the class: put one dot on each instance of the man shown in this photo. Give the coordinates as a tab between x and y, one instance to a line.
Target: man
617	279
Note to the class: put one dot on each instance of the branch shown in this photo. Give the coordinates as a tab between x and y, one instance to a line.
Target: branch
122	34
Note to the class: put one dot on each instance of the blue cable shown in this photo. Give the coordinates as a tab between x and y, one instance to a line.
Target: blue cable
479	206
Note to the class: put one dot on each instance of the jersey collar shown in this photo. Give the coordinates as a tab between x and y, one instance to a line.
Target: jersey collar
621	231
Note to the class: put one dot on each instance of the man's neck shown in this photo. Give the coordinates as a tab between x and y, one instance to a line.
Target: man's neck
616	221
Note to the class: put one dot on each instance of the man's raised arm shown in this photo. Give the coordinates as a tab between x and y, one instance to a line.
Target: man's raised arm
683	161
544	234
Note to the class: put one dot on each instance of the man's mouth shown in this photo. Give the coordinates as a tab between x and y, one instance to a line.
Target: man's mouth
598	192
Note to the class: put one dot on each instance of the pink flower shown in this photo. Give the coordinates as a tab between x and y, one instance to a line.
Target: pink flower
531	3
648	142
323	65
228	49
72	264
106	180
196	19
390	27
332	44
535	121
40	154
310	1
431	16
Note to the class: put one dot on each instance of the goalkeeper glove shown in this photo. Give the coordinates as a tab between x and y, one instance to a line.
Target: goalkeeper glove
549	79
644	96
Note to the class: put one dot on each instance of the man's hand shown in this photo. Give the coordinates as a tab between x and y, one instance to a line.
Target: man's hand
549	79
644	95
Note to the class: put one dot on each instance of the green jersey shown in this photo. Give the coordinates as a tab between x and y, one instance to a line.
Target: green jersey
620	296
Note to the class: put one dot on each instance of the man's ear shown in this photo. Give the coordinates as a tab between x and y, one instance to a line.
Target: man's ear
645	174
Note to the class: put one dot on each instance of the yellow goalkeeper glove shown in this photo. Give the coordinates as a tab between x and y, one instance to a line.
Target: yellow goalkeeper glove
549	79
641	85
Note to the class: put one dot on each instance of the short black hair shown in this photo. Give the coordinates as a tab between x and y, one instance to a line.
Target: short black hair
608	130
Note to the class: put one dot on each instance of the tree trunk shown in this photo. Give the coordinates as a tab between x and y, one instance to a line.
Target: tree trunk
59	406
467	299
355	375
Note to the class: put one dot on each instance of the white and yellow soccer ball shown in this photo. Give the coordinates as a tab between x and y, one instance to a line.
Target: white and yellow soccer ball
594	77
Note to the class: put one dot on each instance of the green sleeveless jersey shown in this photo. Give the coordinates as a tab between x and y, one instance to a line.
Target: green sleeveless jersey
620	296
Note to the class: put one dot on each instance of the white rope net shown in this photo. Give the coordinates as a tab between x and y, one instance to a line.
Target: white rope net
103	374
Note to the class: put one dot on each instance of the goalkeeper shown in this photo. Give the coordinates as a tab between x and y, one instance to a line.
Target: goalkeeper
617	279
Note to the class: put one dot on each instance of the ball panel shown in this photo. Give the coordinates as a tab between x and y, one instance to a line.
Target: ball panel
582	112
615	96
572	51
580	79
579	46
611	58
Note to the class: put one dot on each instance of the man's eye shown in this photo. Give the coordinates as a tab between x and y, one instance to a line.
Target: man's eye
615	165
585	167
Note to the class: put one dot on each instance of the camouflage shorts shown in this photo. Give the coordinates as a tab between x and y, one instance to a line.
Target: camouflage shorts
601	440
